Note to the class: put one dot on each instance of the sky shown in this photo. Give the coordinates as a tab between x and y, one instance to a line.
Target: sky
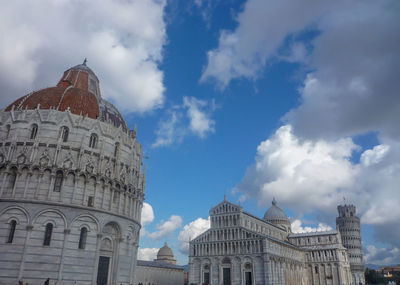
252	99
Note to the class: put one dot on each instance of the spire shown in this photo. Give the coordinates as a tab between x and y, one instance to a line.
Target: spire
274	201
84	61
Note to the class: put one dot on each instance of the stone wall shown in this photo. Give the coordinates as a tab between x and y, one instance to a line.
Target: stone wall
91	178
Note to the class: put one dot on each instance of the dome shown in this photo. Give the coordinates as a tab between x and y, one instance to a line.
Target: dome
77	91
165	254
275	213
165	251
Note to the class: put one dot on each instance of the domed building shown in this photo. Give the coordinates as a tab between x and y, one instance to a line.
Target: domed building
162	271
277	216
240	248
71	186
165	254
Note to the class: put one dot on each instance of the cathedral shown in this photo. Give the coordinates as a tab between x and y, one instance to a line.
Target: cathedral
71	187
242	249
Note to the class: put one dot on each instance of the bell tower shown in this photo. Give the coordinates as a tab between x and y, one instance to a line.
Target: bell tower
349	226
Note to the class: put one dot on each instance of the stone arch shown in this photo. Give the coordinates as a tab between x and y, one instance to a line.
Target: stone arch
16	211
90	217
59	213
112	229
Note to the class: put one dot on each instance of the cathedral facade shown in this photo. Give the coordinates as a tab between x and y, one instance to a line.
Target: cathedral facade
71	187
242	249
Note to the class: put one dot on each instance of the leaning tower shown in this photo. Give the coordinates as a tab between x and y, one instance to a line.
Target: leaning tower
349	227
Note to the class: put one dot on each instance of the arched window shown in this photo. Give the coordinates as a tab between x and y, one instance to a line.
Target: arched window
13	225
58	182
64	134
34	131
8	128
12	178
93	141
82	238
116	150
47	234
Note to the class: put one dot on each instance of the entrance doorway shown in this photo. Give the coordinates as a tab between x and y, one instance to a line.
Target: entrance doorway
102	271
226	272
206	278
248	278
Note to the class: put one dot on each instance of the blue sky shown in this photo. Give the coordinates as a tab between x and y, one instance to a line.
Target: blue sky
296	100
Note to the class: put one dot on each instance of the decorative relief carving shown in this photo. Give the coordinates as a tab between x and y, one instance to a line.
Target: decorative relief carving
44	158
90	165
68	162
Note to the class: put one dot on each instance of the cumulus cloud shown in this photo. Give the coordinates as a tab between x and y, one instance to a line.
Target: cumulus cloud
291	169
200	121
297	227
123	41
381	256
148	254
351	84
190	231
245	51
353	88
193	116
166	228
314	175
147	214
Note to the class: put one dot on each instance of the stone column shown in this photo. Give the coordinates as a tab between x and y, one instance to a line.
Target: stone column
96	259
29	229
66	234
37	190
28	179
52	178
333	274
340	273
18	175
84	192
111	199
74	189
5	176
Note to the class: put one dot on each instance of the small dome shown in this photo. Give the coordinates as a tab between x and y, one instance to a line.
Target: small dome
165	251
165	254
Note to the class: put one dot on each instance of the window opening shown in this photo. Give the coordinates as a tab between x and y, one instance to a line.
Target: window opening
47	234
64	134
34	131
93	141
13	225
82	238
58	182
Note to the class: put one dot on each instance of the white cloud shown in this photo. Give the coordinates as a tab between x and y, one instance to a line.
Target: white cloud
314	175
375	155
148	254
193	116
166	228
122	40
381	256
297	227
200	121
147	214
190	231
245	51
301	174
169	130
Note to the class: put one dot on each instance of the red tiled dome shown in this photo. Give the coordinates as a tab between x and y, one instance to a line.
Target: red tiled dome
60	98
78	90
